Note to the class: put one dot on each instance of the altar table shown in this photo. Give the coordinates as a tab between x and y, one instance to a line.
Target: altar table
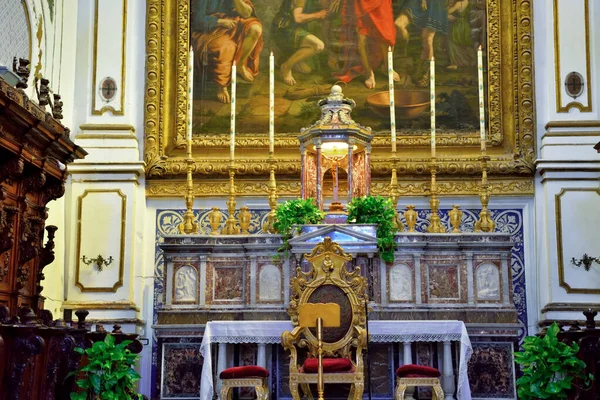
406	332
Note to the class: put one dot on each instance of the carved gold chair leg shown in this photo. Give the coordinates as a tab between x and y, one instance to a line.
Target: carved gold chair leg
294	391
358	389
438	393
226	393
262	392
306	390
400	389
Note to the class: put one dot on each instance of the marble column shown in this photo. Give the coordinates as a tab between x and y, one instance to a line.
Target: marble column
408	360
261	356
505	279
368	170
350	160
221	365
202	299
448	373
319	175
418	284
303	172
470	283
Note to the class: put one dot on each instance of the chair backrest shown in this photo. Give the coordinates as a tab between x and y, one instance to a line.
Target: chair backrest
329	281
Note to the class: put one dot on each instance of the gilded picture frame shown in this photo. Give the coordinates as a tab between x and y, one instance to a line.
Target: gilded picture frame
510	122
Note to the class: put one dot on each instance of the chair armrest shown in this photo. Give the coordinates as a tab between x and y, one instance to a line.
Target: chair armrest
360	343
288	341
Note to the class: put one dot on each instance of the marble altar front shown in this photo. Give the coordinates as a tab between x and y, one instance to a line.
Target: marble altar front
464	277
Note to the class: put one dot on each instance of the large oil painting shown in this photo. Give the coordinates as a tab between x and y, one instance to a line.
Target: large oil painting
318	43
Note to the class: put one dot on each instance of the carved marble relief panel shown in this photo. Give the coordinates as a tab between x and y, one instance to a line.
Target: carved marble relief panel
401	283
488	285
270	284
226	280
185	285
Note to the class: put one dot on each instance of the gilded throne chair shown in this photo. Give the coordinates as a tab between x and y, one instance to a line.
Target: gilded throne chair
328	281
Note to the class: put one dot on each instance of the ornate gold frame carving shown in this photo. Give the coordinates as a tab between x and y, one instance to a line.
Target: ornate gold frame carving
511	143
559	244
119	282
558	77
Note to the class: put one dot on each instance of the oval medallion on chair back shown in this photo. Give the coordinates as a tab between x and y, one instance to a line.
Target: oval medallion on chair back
333	294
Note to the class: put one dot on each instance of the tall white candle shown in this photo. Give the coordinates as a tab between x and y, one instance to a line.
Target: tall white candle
392	98
233	83
432	100
481	100
271	103
190	94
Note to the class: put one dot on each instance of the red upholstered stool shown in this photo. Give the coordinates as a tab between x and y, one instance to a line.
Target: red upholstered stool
418	375
246	376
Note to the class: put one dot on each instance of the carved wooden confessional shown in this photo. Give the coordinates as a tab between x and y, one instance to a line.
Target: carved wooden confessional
36	352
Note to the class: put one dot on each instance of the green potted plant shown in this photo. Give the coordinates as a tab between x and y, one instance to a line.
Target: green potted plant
109	372
376	210
295	212
550	367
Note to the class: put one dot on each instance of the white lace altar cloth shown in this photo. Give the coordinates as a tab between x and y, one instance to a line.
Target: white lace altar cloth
269	332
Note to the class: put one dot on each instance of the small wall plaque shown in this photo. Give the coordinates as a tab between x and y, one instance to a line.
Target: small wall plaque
108	89
574	84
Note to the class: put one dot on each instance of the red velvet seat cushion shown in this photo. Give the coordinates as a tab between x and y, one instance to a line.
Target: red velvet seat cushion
311	365
247	371
417	371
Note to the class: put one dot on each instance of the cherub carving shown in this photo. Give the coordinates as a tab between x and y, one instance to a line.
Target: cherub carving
22	70
57	107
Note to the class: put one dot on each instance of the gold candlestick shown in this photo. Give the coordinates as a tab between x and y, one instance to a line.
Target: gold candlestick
231	225
269	226
484	223
189	226
435	225
394	192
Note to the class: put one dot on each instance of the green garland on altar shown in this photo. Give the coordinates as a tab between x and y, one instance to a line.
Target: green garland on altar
295	212
376	210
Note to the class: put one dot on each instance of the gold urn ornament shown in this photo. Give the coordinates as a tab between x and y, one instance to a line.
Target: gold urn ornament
214	217
410	215
455	218
245	217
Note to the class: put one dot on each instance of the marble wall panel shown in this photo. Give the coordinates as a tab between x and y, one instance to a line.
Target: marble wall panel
181	370
247	354
425	356
491	371
227	281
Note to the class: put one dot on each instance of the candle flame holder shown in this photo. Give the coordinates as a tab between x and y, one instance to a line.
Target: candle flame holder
435	224
231	225
485	222
189	225
394	193
269	226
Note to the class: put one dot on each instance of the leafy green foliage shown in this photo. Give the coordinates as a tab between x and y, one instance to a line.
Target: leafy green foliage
109	374
376	210
296	212
550	367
